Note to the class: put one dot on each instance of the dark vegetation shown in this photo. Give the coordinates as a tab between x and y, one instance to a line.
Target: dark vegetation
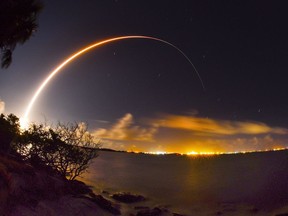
65	149
18	23
9	129
40	164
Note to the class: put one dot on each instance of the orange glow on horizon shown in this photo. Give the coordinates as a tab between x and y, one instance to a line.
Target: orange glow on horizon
203	153
200	148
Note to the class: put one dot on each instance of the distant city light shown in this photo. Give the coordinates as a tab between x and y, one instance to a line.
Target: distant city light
204	153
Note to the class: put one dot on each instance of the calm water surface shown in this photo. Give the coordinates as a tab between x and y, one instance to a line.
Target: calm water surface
183	182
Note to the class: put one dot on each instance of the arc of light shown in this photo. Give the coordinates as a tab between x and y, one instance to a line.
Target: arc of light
86	49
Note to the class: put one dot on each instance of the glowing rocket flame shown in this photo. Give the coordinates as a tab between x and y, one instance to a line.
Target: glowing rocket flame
24	124
86	49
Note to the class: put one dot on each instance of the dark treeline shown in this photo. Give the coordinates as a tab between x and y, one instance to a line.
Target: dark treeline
66	149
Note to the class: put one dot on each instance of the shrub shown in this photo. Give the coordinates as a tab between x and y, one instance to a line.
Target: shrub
67	149
9	130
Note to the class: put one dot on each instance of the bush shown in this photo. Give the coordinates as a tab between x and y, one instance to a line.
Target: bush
9	130
67	149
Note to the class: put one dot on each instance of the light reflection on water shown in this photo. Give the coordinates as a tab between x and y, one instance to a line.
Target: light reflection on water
184	182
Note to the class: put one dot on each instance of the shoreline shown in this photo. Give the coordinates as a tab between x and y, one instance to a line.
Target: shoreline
26	191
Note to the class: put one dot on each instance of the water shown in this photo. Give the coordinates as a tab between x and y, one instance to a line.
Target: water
187	183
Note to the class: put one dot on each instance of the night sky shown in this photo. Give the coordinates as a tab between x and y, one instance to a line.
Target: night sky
143	95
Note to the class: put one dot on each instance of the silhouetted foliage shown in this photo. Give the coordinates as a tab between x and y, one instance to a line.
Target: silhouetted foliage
68	149
9	130
18	21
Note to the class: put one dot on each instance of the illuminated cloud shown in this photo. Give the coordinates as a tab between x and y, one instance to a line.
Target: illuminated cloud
2	106
216	127
125	129
189	133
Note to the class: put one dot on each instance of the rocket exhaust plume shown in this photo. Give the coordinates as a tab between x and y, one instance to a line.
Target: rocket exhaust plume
88	48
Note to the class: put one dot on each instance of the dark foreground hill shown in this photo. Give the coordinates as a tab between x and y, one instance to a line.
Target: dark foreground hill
25	190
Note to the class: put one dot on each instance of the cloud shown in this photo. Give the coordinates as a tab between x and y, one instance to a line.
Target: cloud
188	132
216	127
125	129
2	106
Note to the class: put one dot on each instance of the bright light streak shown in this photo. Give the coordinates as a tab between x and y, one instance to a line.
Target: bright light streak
86	49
